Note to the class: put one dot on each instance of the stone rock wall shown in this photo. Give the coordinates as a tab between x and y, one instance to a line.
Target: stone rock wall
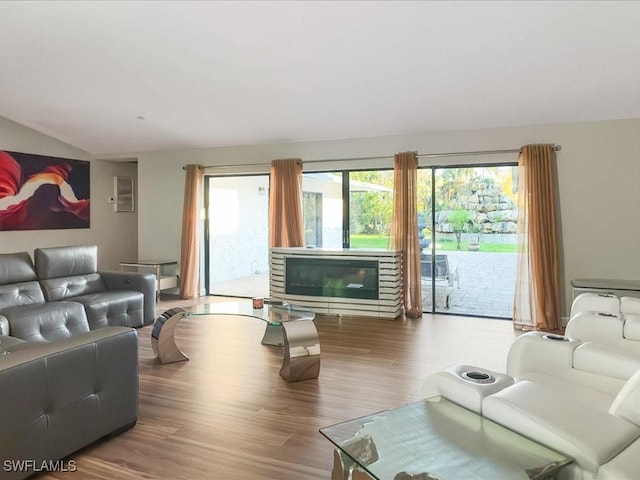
491	211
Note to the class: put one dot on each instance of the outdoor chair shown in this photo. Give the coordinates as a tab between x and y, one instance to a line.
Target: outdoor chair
444	277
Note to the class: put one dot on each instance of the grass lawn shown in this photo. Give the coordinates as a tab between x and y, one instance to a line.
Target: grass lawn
369	241
484	247
381	241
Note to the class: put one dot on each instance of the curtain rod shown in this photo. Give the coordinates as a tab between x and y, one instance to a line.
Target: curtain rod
556	148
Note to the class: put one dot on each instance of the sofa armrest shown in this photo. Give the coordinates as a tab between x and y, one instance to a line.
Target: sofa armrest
541	352
4	325
144	283
9	344
465	385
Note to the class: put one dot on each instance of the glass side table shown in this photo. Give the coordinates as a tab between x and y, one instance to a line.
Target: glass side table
165	271
287	326
436	439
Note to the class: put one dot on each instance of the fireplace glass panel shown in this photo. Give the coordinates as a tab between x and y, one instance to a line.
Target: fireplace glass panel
327	277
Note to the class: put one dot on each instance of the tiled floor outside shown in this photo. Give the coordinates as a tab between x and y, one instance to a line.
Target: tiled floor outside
485	285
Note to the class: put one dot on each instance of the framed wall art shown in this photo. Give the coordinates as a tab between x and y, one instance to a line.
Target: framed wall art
38	192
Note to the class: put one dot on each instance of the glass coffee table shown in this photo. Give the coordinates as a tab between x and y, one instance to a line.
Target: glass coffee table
436	439
287	326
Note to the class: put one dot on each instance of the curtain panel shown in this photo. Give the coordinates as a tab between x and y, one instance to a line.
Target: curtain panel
537	296
404	229
190	245
285	204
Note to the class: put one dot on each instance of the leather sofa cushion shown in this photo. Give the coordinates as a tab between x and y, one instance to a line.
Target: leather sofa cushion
572	392
632	328
16	267
4	325
47	322
21	293
68	287
557	417
624	466
627	402
114	307
66	261
630	305
605	360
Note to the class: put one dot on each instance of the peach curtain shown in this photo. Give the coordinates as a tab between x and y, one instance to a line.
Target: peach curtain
285	204
189	254
537	297
404	229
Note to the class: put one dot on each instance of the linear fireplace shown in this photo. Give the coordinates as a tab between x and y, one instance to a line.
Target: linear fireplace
332	277
344	281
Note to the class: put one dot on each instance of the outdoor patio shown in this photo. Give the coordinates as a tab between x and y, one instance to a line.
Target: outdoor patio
485	286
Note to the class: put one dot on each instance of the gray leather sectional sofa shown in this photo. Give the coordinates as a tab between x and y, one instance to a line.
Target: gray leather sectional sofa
58	397
68	353
64	294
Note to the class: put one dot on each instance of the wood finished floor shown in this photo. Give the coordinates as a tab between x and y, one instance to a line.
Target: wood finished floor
227	414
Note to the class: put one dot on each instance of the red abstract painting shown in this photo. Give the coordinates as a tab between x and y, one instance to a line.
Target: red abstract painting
40	193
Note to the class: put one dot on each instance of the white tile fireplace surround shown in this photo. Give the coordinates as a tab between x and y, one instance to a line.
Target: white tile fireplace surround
364	282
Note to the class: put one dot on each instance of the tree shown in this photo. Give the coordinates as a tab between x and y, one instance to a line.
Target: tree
371	211
458	219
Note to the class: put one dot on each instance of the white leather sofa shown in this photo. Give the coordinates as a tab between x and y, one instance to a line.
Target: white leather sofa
600	348
578	394
607	320
599	431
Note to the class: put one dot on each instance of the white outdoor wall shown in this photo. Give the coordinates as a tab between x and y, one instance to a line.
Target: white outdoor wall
114	233
239	227
598	172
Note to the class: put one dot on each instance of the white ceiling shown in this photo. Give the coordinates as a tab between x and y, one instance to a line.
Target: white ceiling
205	74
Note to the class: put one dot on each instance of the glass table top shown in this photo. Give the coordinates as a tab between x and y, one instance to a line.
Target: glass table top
438	439
271	313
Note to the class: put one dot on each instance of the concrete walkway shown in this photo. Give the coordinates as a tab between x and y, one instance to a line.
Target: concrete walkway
485	287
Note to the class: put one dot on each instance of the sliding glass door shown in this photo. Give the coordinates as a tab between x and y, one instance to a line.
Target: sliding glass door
474	234
370	206
237	251
350	209
322	209
466	216
466	219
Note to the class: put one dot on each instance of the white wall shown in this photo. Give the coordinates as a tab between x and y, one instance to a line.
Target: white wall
114	233
598	172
